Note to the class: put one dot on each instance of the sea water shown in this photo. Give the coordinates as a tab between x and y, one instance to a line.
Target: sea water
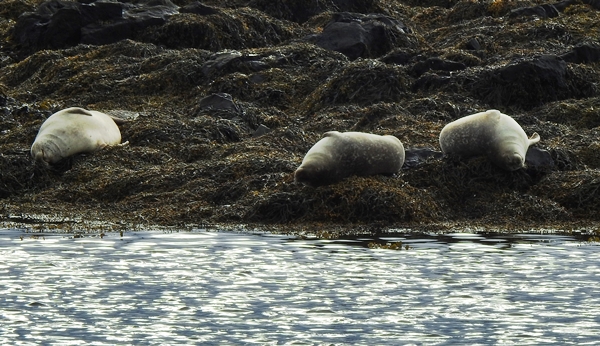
228	288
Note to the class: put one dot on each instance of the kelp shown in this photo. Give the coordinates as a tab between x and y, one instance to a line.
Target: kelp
188	162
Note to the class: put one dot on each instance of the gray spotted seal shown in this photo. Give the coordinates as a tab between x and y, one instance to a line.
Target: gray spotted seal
71	131
339	155
492	134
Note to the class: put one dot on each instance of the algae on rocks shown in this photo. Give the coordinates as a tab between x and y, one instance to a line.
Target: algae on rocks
226	97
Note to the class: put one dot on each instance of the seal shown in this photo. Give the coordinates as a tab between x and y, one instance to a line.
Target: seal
74	130
339	155
492	134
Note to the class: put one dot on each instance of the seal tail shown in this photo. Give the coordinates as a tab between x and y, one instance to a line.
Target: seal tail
534	138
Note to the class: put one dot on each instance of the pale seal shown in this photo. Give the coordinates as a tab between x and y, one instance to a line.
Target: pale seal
72	131
339	155
492	134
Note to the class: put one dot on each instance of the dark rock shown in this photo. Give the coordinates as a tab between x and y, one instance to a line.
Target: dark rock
538	158
358	35
219	101
135	18
585	53
55	24
542	11
415	157
60	24
261	130
550	10
529	83
229	61
473	44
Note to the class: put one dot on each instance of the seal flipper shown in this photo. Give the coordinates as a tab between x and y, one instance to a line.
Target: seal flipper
534	138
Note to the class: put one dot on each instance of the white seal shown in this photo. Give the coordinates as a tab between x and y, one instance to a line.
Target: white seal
72	131
340	155
492	134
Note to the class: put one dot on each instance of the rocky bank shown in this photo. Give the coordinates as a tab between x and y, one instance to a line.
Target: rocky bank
225	97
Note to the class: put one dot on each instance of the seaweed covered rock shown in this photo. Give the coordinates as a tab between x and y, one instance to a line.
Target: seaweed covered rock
362	82
236	28
61	24
583	53
530	83
300	11
226	97
358	35
359	199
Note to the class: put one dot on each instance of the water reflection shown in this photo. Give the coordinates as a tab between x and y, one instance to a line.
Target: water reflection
229	288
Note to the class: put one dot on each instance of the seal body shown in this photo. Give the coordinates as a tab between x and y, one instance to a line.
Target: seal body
339	155
72	131
492	134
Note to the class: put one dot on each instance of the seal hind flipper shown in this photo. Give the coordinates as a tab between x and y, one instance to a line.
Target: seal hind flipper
534	138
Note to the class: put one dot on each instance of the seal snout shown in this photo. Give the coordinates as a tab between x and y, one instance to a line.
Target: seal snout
513	161
308	175
37	152
39	156
301	175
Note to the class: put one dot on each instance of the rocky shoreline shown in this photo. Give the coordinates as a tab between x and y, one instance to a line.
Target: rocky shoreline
224	98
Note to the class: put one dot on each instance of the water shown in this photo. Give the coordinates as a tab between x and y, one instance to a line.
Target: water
220	288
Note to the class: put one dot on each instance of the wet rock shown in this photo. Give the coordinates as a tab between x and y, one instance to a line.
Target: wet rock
360	36
219	101
228	61
583	54
473	44
234	121
261	130
417	156
538	158
134	19
60	23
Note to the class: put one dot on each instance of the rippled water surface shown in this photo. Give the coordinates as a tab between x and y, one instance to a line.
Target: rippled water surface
228	288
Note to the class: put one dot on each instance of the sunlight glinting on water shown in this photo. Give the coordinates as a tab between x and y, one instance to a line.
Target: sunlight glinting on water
223	287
